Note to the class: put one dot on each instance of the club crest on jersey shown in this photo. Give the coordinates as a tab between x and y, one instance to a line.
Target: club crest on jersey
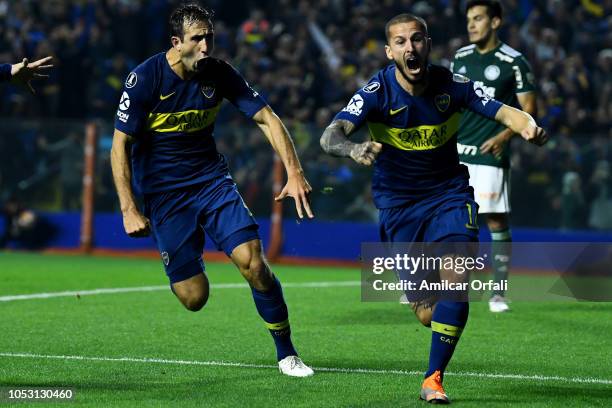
442	102
165	258
208	90
372	87
131	80
492	72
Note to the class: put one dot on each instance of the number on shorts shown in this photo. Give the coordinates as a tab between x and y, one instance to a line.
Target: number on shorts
472	221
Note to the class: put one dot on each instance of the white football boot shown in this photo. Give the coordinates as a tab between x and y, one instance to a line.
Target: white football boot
293	366
498	304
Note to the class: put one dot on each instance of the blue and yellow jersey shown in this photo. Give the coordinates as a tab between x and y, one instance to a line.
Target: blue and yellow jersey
418	133
173	120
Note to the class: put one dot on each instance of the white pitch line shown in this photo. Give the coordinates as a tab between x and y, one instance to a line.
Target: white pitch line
579	380
105	291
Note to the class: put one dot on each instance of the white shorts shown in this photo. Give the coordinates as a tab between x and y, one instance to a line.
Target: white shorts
491	188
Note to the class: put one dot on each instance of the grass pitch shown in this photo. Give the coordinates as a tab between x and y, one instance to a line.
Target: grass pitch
142	348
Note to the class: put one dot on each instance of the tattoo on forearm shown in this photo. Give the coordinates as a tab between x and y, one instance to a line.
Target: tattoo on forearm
335	138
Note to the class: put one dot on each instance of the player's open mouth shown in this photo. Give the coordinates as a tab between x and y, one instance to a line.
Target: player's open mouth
413	65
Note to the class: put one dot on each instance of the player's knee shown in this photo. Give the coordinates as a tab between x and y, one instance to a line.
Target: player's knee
254	268
424	317
193	293
194	299
257	274
455	275
497	222
194	303
423	312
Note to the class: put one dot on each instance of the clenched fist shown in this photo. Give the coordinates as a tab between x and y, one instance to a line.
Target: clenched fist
365	153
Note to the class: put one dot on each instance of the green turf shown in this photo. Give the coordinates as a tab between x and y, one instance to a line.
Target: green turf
332	328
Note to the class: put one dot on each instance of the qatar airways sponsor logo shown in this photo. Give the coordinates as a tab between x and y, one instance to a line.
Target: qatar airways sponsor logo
190	120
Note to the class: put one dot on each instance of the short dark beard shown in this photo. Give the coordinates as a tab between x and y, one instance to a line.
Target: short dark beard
412	81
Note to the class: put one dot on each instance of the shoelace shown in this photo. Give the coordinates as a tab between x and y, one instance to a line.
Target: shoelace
296	363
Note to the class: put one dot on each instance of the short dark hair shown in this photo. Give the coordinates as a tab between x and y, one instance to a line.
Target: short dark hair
187	14
494	7
404	18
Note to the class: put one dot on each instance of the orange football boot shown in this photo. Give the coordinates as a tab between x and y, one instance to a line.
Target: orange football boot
432	391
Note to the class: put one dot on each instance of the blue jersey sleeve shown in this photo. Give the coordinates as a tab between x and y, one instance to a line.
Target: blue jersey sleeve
5	72
476	99
363	104
237	90
135	101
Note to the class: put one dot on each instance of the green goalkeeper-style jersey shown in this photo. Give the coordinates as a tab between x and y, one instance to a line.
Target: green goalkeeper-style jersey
502	73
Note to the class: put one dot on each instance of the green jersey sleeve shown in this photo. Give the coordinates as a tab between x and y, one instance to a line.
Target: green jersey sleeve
524	80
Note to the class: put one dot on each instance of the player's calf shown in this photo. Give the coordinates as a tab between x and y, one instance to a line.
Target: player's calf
249	259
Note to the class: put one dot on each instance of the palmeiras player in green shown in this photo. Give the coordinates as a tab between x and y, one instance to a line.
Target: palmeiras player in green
504	74
165	124
412	109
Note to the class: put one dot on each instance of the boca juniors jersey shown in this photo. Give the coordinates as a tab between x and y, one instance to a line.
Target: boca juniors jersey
418	133
172	121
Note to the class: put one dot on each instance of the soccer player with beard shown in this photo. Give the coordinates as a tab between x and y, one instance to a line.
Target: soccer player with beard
504	74
412	109
164	137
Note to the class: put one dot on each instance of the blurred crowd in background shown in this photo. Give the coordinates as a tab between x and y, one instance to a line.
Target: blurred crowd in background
307	59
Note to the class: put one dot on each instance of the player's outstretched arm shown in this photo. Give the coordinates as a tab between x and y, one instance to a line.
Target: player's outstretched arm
522	123
497	143
335	141
24	72
277	134
134	223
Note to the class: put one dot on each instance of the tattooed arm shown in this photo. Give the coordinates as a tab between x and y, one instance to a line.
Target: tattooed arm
336	143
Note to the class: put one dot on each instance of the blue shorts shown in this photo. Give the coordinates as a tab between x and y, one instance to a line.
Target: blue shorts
180	217
446	218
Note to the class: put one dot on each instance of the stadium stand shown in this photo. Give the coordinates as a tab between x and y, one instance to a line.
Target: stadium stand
306	59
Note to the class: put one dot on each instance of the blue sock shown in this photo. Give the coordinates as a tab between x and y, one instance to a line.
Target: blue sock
447	323
273	310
